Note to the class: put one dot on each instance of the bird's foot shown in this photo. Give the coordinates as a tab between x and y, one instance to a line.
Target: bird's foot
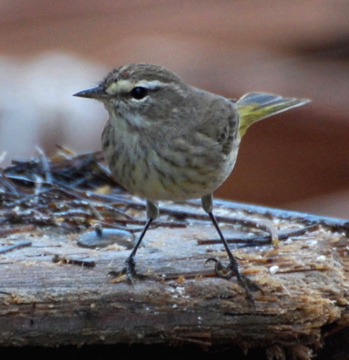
128	272
226	272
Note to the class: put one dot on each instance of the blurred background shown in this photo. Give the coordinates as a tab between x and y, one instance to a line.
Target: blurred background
298	160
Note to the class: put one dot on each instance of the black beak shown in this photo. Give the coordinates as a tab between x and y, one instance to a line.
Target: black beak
97	93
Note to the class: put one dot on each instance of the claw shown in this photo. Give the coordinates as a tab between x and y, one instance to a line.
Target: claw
226	272
221	270
128	271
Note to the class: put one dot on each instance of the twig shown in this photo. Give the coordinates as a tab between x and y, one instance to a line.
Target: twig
80	262
14	230
258	240
16	246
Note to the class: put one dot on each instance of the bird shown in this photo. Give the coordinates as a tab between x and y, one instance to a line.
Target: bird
168	140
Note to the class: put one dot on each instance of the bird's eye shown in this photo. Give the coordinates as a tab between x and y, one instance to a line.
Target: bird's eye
139	92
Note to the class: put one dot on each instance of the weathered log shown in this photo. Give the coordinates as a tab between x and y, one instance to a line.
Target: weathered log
303	287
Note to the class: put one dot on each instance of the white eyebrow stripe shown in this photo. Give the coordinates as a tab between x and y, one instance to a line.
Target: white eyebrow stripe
153	84
127	86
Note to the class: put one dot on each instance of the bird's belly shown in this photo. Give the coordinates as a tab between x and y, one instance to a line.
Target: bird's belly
167	175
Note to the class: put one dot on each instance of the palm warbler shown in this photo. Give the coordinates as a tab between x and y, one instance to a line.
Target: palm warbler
166	140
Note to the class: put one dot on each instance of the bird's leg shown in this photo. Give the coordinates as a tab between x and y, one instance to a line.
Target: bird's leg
233	268
129	266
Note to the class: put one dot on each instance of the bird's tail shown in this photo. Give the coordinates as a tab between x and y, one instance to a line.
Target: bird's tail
253	107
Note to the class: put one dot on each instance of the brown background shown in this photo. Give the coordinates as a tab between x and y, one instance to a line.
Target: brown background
298	160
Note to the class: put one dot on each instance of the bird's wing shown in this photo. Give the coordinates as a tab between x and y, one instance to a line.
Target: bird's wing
219	122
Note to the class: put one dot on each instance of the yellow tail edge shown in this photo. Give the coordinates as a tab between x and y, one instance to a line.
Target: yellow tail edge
253	107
